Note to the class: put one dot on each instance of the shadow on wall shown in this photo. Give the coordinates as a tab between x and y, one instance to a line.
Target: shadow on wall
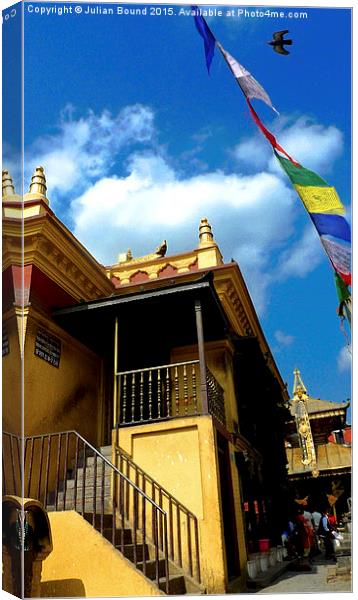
63	588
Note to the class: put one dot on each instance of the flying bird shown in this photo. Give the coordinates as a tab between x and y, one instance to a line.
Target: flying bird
279	42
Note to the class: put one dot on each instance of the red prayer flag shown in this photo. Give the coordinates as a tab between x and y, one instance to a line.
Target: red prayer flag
268	135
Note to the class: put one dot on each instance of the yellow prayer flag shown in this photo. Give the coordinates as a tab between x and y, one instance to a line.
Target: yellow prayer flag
320	199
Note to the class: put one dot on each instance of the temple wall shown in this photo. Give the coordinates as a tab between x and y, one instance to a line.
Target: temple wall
181	456
11	379
64	397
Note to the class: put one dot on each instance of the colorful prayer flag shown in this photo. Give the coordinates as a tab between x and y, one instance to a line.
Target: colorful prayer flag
325	209
320	200
269	136
344	297
342	289
250	87
206	34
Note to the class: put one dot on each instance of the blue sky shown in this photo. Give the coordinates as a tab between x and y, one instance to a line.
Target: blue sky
139	143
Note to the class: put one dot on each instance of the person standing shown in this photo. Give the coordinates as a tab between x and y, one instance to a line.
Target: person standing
303	534
310	530
316	519
325	530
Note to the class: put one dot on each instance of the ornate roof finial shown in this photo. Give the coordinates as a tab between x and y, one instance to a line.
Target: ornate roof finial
206	237
38	182
299	388
8	188
125	256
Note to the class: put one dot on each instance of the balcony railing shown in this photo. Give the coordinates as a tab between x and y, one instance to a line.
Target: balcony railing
157	393
164	392
216	401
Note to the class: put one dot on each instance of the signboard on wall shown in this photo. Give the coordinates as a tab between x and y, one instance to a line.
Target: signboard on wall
48	347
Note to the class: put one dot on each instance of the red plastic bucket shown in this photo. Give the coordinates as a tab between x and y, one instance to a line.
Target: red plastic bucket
264	545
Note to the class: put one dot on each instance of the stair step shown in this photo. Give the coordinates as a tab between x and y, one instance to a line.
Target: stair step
89	480
107	470
88	507
141	552
106	450
121	535
89	493
90	461
151	569
176	585
107	519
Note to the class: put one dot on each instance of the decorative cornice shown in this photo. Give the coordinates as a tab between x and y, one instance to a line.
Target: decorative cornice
151	265
329	413
227	290
238	305
50	246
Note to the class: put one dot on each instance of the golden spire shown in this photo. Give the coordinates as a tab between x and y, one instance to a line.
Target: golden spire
38	182
8	188
206	237
299	388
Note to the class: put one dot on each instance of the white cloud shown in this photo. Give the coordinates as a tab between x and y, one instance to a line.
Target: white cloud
312	144
344	359
283	338
152	203
253	152
84	149
253	215
301	257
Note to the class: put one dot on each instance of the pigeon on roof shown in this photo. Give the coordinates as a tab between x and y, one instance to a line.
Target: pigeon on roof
161	250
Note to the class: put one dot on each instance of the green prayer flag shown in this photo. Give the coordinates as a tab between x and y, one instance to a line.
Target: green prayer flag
342	289
300	175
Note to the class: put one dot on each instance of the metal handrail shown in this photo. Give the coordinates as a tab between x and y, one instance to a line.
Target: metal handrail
127	458
50	466
16	466
180	507
103	458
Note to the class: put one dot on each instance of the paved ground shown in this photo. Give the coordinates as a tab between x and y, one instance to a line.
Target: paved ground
323	578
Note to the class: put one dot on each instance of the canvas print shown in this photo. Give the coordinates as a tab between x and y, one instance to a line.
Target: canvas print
176	193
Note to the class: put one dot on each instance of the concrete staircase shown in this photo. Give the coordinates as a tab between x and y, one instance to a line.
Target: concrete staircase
178	583
98	512
66	496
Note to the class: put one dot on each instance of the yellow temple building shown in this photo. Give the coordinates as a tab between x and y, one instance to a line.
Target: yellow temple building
153	420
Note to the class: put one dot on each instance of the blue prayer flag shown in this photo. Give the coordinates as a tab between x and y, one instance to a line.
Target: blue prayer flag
334	225
206	34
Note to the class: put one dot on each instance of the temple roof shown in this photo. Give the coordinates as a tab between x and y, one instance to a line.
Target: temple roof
330	458
316	405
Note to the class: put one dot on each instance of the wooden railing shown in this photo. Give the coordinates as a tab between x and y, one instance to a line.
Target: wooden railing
183	535
164	392
216	401
157	393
